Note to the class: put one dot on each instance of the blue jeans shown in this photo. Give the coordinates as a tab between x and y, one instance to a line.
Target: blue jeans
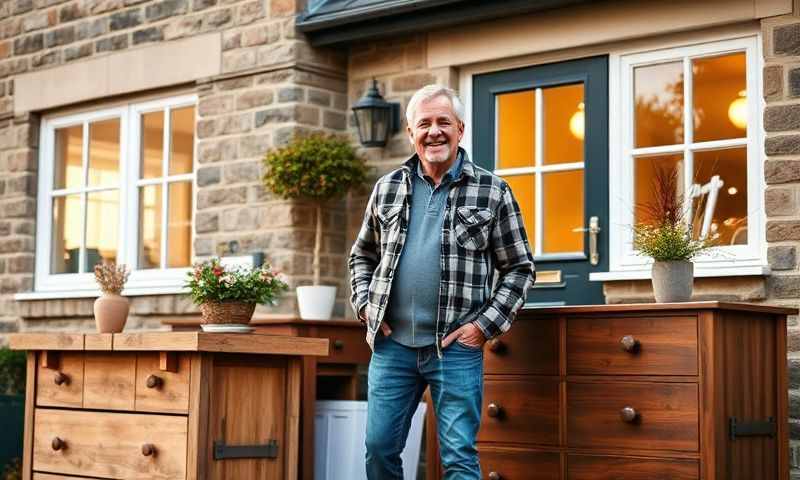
398	376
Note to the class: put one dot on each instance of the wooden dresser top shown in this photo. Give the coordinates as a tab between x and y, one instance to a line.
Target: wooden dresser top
254	343
648	307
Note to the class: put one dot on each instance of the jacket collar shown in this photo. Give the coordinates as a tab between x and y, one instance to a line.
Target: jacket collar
467	167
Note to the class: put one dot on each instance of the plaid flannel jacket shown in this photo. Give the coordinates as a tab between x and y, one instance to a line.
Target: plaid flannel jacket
483	237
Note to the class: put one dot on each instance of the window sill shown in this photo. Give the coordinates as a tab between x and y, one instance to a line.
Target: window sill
700	272
128	292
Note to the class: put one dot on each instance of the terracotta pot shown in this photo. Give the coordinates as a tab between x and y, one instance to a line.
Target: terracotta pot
111	313
673	281
227	312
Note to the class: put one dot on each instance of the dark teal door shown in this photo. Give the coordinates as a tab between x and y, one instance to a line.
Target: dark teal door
544	129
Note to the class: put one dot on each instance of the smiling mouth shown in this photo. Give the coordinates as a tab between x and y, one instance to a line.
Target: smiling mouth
436	144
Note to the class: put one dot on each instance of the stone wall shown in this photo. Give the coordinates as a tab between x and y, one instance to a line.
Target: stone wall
273	85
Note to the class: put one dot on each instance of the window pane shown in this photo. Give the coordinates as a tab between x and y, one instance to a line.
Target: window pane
152	144
729	213
719	95
102	225
658	93
104	153
644	171
69	157
523	186
179	226
561	217
182	148
564	123
66	234
150	227
515	129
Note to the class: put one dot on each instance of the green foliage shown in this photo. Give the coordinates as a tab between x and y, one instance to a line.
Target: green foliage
12	471
12	372
212	282
316	167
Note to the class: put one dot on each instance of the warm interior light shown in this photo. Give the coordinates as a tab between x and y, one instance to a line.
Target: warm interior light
732	191
577	123
737	111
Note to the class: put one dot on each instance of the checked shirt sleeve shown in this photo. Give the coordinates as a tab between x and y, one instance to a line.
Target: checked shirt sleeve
514	264
364	256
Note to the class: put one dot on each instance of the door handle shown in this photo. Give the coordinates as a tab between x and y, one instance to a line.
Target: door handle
594	229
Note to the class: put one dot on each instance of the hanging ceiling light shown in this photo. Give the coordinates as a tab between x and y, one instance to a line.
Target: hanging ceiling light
737	111
577	123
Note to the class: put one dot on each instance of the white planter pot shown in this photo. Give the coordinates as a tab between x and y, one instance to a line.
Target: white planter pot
316	302
673	281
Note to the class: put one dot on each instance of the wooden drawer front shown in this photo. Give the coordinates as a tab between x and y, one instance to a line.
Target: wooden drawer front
528	411
347	345
67	389
519	464
667	415
109	380
167	391
50	476
529	348
667	346
105	444
582	467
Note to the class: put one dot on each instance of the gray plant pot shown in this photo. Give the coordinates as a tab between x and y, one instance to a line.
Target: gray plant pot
673	281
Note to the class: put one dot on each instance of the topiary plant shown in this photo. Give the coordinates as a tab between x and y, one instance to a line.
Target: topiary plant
315	167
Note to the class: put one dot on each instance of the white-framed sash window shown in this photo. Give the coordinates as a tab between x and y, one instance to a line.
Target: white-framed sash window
694	110
117	185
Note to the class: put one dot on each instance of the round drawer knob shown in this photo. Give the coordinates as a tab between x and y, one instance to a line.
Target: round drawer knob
148	449
630	344
493	410
58	444
629	415
61	378
496	346
154	381
338	344
495	476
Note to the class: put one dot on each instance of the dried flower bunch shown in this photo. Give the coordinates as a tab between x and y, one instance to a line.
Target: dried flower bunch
111	277
212	282
665	234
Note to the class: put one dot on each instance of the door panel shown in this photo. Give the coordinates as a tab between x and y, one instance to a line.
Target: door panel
544	129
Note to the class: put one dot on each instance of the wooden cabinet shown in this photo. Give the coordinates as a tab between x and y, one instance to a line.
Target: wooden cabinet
183	405
683	391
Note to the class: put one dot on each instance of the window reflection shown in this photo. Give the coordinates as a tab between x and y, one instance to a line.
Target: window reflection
561	216
152	153
179	225
66	234
104	153
726	172
102	225
523	188
658	95
182	143
644	174
69	157
563	138
516	125
720	92
150	227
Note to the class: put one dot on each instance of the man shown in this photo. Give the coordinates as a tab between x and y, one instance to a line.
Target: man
436	233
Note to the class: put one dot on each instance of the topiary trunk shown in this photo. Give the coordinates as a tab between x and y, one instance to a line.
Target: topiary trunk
317	243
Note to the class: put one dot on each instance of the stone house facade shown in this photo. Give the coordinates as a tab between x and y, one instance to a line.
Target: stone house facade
255	80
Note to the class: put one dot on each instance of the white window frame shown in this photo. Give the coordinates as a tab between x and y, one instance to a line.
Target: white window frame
141	282
624	262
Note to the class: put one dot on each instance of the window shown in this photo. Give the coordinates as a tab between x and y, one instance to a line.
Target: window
117	185
693	111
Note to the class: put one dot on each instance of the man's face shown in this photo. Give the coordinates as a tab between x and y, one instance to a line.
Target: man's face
435	130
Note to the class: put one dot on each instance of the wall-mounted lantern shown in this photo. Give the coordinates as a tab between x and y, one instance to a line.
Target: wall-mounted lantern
376	119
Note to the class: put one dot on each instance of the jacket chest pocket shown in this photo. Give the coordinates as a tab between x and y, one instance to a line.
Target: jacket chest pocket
472	227
389	219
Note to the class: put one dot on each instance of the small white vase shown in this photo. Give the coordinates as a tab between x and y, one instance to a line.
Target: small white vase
673	281
111	313
316	302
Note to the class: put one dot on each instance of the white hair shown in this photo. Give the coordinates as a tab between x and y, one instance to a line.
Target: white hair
429	92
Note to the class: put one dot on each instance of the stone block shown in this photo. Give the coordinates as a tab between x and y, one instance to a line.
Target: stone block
71	12
151	34
24	161
231	40
217	18
240	219
206	222
783	145
76	52
125	19
19	7
18	208
202	4
216	105
781	230
784	286
334	120
36	21
91	28
794	83
786	39
236	60
219	150
203	246
208	176
164	9
5	228
117	42
253	146
277	53
208	198
260	35
5	50
412	82
254	98
250	12
16	245
40	60
24	227
28	44
96	7
234	83
319	97
24	184
780	201
59	36
282	8
781	171
242	172
274	115
782	257
781	118
183	27
291	94
20	264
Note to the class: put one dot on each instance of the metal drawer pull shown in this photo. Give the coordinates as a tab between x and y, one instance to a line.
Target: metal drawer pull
494	410
223	451
148	449
58	444
629	415
764	428
496	346
60	379
630	344
495	476
154	381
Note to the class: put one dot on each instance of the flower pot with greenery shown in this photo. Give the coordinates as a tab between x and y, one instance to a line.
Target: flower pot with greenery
666	235
228	296
316	168
111	308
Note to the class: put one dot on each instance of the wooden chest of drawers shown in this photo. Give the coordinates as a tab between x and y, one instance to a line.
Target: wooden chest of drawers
636	392
184	405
